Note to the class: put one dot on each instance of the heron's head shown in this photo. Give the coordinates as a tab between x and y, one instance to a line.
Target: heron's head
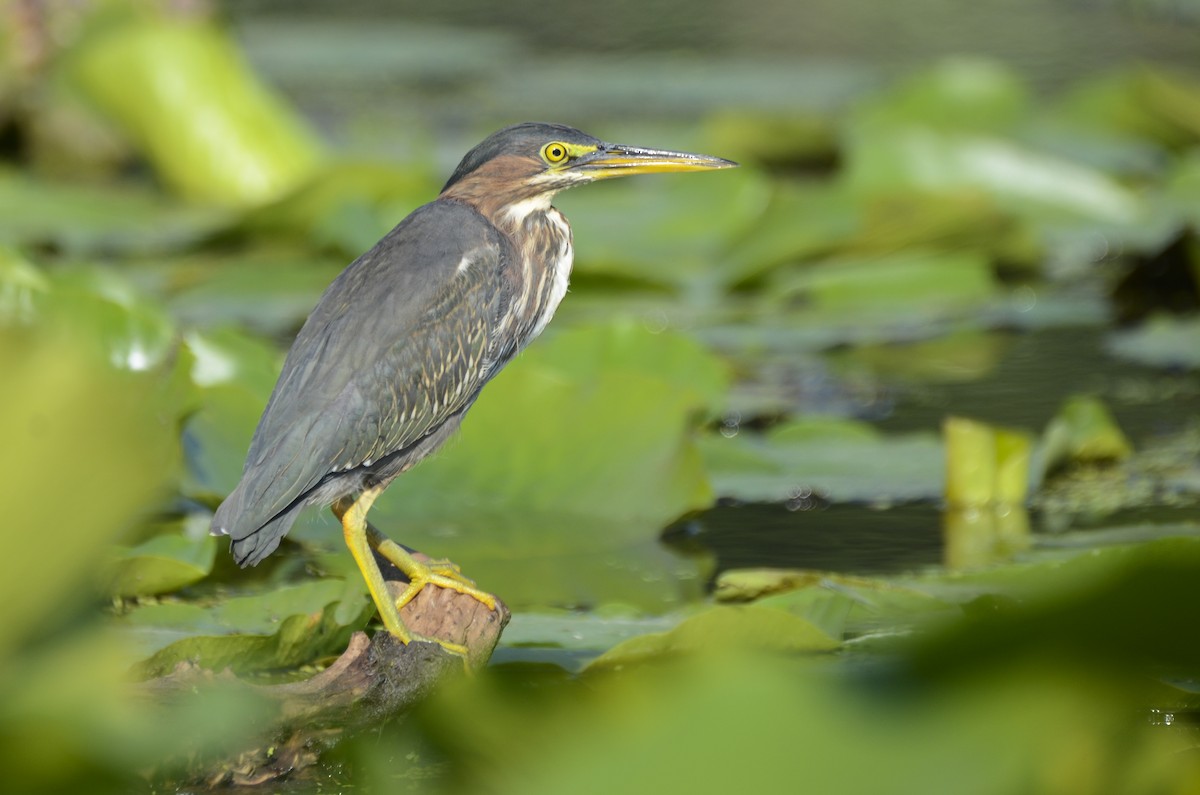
533	161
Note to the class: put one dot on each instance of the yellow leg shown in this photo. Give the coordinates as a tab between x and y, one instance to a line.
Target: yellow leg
361	537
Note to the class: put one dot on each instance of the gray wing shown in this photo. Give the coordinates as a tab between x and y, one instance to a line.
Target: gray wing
398	344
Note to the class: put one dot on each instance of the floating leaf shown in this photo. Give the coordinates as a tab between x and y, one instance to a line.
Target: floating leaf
840	460
283	628
886	158
87	219
665	231
1163	341
163	564
721	629
898	285
800	222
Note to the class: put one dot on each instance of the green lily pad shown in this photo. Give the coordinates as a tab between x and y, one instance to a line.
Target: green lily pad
270	290
88	219
957	357
1163	341
888	157
574	440
347	206
666	231
625	346
134	331
889	286
163	564
279	629
961	93
842	460
800	222
721	629
216	437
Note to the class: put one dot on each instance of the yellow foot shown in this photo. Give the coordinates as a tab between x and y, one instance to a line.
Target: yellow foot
422	575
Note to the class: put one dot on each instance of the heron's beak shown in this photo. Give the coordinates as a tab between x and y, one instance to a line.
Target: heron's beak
618	160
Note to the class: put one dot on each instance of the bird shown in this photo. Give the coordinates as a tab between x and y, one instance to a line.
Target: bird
400	344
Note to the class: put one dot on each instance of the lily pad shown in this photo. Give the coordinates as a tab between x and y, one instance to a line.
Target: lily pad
663	231
890	157
283	628
88	219
1163	341
165	563
962	93
721	629
841	460
896	285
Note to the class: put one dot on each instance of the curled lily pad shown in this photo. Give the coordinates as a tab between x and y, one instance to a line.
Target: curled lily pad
1083	431
985	465
184	94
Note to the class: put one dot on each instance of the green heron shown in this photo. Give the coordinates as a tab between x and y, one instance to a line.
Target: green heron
401	343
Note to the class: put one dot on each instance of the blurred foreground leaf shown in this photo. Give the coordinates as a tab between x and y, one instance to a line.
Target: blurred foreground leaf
66	411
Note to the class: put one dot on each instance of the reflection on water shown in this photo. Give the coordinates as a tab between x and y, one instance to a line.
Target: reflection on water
853	539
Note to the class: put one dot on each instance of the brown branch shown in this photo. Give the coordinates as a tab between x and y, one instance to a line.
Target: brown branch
374	680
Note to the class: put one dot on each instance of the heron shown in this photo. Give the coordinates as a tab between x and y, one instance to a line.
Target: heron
402	342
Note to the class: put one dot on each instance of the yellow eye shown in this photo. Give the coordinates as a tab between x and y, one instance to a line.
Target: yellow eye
554	152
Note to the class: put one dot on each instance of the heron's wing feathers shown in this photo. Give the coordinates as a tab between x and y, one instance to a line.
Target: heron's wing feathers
397	345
